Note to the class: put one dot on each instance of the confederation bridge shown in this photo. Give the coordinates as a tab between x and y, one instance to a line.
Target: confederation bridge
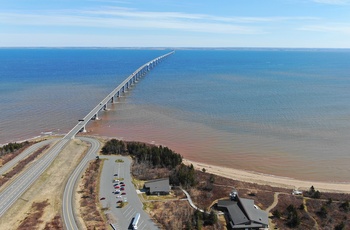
130	80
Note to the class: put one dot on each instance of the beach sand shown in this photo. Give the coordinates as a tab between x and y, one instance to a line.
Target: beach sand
264	179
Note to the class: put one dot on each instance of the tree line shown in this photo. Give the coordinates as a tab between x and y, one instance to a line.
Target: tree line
157	156
11	147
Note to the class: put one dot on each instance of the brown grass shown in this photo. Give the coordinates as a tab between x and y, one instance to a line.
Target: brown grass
171	214
89	212
32	220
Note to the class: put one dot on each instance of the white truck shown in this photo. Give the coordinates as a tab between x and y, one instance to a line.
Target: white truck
135	221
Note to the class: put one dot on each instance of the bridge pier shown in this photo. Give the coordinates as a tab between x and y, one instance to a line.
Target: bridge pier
105	107
83	130
95	117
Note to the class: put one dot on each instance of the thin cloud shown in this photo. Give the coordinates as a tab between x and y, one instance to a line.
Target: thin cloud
344	29
128	23
129	18
129	12
333	2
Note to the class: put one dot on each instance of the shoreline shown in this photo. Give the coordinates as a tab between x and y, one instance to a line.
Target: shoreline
264	179
248	176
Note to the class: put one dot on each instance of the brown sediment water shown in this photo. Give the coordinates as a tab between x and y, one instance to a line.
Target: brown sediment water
202	143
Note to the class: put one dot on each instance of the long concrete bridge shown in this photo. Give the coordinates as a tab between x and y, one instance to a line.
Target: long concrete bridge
20	184
111	97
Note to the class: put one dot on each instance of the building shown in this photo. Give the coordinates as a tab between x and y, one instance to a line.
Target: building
158	186
241	213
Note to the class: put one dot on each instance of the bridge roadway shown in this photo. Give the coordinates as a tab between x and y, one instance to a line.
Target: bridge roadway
140	72
19	185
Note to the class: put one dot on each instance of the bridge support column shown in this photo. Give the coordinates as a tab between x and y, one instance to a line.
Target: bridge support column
105	107
83	130
95	117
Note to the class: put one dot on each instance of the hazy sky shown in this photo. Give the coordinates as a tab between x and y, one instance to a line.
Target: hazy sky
176	23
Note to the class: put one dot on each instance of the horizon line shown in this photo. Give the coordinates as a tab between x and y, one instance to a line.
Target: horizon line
167	47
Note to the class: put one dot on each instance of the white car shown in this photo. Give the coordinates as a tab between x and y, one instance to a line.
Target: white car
297	192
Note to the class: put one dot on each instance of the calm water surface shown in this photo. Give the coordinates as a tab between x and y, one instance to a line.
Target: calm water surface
280	112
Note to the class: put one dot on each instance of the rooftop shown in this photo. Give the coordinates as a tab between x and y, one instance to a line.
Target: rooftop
244	214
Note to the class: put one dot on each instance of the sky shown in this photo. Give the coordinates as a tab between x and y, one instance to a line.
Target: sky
175	23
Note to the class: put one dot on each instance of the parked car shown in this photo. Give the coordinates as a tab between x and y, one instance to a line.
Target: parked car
123	193
116	186
121	182
122	188
102	198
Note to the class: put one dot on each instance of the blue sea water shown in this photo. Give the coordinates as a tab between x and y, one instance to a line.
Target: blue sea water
282	112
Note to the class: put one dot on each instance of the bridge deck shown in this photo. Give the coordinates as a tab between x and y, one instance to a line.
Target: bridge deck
141	71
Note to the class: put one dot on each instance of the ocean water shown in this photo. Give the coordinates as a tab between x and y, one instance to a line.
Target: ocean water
279	112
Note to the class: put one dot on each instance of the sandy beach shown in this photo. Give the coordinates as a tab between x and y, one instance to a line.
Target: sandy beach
271	180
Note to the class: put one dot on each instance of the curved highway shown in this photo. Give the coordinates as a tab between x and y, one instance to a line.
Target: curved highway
68	195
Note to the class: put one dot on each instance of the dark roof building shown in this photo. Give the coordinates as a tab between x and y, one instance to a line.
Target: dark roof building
158	186
243	214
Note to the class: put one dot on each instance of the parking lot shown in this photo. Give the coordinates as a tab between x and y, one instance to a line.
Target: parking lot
116	187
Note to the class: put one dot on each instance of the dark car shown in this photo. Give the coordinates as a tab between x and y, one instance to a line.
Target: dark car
121	182
116	174
102	198
123	185
116	186
123	193
122	188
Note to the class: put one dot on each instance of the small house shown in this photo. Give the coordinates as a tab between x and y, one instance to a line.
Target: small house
157	187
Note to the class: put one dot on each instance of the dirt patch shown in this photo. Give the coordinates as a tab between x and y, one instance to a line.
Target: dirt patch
49	187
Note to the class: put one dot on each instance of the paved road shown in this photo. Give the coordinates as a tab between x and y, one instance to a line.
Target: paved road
10	194
31	149
123	216
68	201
